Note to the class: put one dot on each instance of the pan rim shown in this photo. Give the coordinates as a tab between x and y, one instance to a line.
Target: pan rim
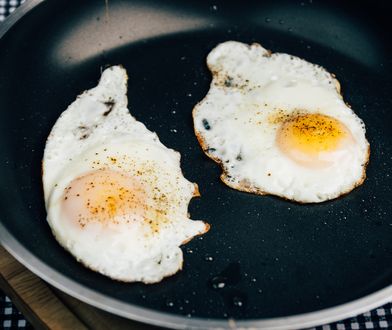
149	316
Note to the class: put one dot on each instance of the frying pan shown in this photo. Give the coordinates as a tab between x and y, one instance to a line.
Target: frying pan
283	265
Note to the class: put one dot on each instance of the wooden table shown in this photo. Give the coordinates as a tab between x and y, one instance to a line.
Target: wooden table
48	308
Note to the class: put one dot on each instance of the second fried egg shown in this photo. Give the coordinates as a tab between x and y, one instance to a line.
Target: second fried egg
278	125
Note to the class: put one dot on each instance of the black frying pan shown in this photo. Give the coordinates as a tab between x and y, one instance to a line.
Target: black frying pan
311	263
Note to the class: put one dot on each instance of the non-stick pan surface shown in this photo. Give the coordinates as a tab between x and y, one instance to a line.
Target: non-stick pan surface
275	258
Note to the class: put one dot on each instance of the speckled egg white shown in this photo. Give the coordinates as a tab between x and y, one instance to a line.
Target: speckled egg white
115	195
278	125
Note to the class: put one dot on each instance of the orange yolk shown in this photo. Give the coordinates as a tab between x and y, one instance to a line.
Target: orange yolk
313	139
104	196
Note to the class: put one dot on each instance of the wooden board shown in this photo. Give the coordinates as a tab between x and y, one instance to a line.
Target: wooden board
48	308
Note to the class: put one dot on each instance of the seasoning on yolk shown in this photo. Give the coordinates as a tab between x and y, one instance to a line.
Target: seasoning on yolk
102	196
305	137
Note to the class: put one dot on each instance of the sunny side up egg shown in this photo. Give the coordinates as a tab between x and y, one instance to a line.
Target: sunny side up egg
279	125
115	195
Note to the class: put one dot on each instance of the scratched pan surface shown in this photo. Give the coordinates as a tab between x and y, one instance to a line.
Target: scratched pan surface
274	258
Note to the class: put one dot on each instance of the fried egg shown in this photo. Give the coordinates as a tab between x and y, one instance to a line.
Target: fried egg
278	125
115	196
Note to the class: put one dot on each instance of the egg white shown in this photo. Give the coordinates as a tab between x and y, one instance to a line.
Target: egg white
233	123
97	133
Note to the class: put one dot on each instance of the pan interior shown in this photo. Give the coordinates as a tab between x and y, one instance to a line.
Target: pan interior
274	258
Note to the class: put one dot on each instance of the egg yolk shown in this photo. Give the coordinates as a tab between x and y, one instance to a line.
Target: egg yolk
313	140
105	196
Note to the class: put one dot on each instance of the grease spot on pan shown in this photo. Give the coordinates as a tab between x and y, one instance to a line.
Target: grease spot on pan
225	284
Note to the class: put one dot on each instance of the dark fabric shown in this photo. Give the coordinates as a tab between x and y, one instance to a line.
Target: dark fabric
10	317
8	6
